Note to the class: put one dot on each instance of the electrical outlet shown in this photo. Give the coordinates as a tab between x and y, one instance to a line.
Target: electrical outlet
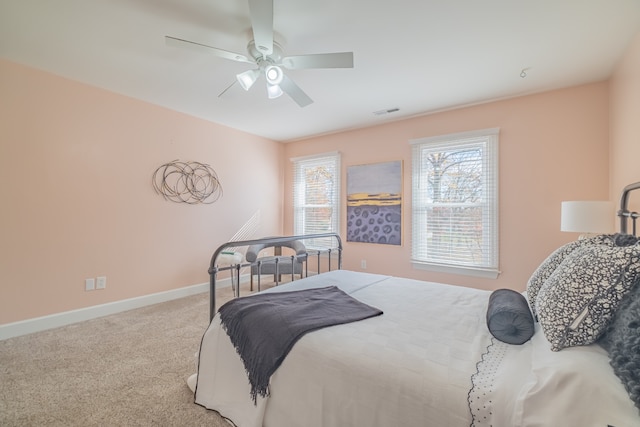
89	284
101	282
363	264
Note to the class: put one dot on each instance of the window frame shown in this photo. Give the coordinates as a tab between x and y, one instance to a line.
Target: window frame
333	160
489	203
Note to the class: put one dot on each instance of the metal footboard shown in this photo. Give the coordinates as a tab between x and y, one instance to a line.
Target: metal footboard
234	269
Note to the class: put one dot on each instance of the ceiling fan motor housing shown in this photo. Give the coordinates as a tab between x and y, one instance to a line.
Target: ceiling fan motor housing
275	57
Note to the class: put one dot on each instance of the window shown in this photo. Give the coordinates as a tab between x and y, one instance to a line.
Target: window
316	197
455	203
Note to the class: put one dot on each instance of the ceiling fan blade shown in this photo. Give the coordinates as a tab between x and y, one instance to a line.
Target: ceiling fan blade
293	90
203	48
319	60
262	23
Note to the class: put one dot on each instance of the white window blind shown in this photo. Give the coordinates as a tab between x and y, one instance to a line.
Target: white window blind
316	197
455	202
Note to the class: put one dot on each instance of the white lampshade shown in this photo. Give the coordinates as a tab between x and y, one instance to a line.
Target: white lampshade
274	91
248	78
273	74
587	217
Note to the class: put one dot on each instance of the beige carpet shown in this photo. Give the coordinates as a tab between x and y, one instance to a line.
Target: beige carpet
127	369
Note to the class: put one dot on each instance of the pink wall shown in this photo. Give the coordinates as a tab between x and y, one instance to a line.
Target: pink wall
553	147
625	125
77	202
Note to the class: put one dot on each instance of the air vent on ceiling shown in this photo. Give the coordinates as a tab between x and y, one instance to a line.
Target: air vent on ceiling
383	112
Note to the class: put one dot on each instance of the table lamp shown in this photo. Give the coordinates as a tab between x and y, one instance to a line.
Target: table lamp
587	217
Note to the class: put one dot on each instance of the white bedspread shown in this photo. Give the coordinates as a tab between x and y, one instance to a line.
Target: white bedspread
412	366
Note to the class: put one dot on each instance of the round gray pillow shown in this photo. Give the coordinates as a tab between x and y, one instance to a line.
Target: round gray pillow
509	318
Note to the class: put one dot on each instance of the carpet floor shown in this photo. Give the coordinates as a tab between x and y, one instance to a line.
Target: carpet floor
126	369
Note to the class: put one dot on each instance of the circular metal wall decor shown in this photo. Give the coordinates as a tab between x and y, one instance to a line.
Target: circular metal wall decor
187	182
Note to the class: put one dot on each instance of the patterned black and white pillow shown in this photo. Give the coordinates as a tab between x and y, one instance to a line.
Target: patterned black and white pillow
578	300
549	265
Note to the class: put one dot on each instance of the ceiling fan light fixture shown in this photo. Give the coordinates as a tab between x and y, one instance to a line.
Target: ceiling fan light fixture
274	74
268	57
274	91
248	78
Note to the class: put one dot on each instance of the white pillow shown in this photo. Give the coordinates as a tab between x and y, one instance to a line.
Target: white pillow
573	387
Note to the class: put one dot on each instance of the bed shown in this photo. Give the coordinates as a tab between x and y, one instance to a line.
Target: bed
434	357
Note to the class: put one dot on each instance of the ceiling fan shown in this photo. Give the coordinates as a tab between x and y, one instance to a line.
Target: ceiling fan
267	55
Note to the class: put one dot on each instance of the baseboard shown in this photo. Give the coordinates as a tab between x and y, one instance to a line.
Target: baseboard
56	320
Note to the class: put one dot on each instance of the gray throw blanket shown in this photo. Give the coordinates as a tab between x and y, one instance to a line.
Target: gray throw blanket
264	327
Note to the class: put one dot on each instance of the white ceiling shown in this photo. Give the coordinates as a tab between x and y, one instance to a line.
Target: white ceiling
419	56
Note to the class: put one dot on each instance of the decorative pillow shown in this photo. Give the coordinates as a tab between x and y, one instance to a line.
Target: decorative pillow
622	342
549	265
624	239
508	317
579	299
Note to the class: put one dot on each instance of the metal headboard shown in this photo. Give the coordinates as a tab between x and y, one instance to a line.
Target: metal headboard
624	212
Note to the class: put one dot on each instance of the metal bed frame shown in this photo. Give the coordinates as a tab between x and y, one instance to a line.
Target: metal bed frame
234	269
624	212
